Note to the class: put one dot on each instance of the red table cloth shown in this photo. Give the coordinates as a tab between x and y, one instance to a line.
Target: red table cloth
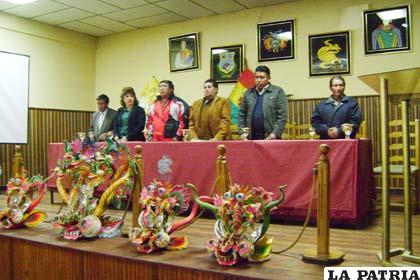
268	164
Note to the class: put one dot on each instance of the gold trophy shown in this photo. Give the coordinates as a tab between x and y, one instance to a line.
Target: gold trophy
312	133
245	131
347	128
81	136
186	135
91	135
148	134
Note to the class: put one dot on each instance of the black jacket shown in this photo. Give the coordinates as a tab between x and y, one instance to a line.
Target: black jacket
326	115
136	123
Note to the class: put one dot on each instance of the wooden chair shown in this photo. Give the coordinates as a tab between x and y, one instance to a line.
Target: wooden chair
362	133
234	132
396	163
302	132
289	132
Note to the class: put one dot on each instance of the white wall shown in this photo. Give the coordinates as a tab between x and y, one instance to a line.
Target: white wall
62	65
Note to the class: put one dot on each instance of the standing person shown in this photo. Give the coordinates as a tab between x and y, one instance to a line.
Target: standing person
131	118
165	122
263	109
338	109
103	120
210	116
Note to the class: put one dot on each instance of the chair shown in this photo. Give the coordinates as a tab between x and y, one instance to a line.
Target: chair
396	162
362	133
289	132
303	132
234	132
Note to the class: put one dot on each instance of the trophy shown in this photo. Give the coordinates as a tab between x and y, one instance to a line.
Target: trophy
148	134
91	136
245	131
185	134
312	133
347	128
81	136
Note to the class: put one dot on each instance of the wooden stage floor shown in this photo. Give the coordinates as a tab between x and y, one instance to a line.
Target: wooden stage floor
360	247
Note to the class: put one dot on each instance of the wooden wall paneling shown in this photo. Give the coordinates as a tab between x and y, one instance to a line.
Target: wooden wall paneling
42	261
169	272
45	126
104	267
6	271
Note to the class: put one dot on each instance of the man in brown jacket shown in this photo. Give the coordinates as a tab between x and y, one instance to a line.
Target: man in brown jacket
210	116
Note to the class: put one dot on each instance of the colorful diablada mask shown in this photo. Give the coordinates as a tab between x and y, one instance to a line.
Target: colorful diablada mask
238	236
23	195
85	167
159	204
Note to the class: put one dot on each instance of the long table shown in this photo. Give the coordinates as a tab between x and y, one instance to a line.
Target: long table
268	164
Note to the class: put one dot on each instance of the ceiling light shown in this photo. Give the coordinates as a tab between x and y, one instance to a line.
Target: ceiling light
20	2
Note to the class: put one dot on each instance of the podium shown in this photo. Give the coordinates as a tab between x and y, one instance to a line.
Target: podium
403	86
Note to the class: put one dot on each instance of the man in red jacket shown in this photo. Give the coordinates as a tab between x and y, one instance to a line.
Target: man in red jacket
165	122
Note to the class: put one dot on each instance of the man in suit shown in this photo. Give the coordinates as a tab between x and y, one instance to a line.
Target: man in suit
210	116
263	109
103	120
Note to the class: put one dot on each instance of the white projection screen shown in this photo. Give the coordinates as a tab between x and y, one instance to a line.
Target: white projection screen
14	98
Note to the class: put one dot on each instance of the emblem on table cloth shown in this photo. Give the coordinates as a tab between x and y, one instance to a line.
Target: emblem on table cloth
85	167
160	203
238	236
164	168
23	195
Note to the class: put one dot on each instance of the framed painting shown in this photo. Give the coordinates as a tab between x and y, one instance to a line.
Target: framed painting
329	54
184	52
276	40
226	63
387	30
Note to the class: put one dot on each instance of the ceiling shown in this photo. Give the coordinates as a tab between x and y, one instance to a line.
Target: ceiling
104	17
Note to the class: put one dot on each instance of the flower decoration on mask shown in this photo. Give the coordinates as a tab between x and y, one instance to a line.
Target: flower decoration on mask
23	195
160	202
85	168
238	236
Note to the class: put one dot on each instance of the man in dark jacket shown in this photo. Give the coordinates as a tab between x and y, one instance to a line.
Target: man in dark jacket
338	109
263	109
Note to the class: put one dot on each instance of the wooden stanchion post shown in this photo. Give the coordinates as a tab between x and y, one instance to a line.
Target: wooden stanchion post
138	184
408	254
322	254
223	179
17	162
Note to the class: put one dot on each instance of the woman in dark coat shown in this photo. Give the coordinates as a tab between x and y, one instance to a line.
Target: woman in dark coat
131	118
